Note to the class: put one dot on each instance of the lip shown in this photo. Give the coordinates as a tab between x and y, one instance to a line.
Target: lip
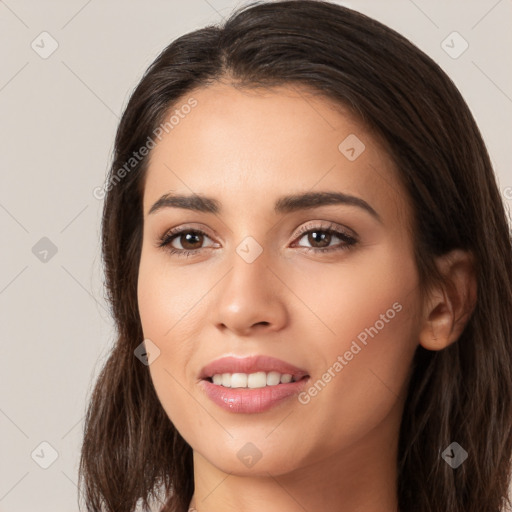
251	364
246	400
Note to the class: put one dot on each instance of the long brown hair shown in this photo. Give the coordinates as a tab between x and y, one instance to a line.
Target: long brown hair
131	451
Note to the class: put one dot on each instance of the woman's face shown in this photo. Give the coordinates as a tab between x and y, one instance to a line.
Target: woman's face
323	289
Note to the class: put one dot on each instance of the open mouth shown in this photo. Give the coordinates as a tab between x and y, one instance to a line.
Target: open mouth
251	384
253	380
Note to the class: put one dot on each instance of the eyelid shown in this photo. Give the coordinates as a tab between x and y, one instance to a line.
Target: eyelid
330	225
178	230
347	236
310	225
201	228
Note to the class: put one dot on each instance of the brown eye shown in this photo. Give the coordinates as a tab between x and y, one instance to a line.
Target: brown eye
190	240
322	238
319	238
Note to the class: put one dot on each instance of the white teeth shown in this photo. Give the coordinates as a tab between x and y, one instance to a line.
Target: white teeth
273	378
252	380
239	380
286	378
257	380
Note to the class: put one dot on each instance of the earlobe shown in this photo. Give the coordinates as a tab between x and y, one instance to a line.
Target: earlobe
450	305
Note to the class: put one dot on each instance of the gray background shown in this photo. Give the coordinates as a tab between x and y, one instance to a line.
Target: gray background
58	120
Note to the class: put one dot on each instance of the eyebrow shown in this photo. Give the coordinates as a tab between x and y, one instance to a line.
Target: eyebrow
285	204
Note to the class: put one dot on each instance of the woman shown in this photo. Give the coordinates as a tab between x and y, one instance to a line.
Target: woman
309	266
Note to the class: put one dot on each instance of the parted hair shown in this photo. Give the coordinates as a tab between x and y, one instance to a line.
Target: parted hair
131	451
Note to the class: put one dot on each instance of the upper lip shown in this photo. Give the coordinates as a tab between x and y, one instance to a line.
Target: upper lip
251	364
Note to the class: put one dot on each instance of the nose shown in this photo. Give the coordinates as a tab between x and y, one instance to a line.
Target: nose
251	298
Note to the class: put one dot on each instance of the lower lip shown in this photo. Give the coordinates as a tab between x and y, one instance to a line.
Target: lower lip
245	400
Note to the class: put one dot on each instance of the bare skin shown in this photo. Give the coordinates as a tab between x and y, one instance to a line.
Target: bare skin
336	449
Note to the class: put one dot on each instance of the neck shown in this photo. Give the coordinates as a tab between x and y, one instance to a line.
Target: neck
359	478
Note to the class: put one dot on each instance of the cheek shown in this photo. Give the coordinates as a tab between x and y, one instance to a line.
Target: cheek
169	308
168	299
364	362
154	296
352	296
339	314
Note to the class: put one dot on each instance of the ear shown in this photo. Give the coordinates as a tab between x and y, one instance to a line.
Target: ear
450	304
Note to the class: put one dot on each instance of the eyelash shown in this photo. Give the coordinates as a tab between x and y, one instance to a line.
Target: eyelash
349	241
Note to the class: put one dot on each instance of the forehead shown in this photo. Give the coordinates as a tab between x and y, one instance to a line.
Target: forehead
248	146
